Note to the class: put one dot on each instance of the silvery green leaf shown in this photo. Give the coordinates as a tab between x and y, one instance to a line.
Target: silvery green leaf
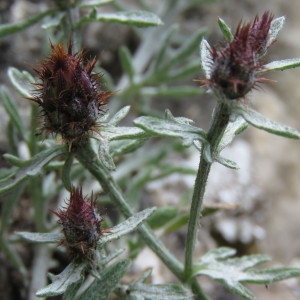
259	121
12	111
227	162
280	65
206	58
173	91
7	29
143	291
225	30
92	3
54	21
276	26
215	263
171	127
134	18
109	278
127	226
112	133
70	275
126	62
207	155
22	81
119	116
112	255
125	146
37	237
104	154
32	167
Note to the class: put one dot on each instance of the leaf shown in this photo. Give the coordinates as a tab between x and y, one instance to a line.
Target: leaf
259	121
92	3
54	21
72	274
162	216
104	155
134	18
119	116
126	62
171	127
7	29
41	238
231	272
109	278
280	65
143	291
276	26
176	91
12	110
226	31
32	167
206	58
127	226
120	147
22	81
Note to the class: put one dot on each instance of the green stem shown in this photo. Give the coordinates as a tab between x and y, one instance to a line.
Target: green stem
88	159
214	136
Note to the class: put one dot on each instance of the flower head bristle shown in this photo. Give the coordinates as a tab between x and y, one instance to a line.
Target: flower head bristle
81	224
235	66
69	94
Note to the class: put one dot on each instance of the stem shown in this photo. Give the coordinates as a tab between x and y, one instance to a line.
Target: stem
88	159
219	123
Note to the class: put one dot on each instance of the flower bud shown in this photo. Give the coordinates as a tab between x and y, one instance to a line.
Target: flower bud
235	66
69	94
81	224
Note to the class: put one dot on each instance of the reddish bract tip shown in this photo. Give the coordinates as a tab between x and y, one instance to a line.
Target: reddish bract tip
81	224
69	94
235	66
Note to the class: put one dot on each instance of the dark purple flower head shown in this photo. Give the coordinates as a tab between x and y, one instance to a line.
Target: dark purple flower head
81	224
234	67
69	94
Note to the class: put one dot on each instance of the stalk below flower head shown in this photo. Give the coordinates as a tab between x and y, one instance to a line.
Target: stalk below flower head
233	69
69	94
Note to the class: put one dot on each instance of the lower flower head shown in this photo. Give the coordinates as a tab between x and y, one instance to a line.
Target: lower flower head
81	224
69	94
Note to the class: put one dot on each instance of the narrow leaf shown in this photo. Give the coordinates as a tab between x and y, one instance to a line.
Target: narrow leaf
32	168
127	226
92	3
7	29
110	277
275	27
135	18
36	237
226	31
280	65
171	127
177	91
54	21
259	121
105	156
69	276
12	111
206	58
126	62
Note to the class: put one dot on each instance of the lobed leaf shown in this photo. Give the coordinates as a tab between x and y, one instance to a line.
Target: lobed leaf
171	127
127	226
231	272
72	274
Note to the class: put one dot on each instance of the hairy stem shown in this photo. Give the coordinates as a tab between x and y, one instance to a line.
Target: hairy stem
216	131
88	159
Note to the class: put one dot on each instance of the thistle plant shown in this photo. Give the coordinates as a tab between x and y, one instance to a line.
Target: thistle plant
83	144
